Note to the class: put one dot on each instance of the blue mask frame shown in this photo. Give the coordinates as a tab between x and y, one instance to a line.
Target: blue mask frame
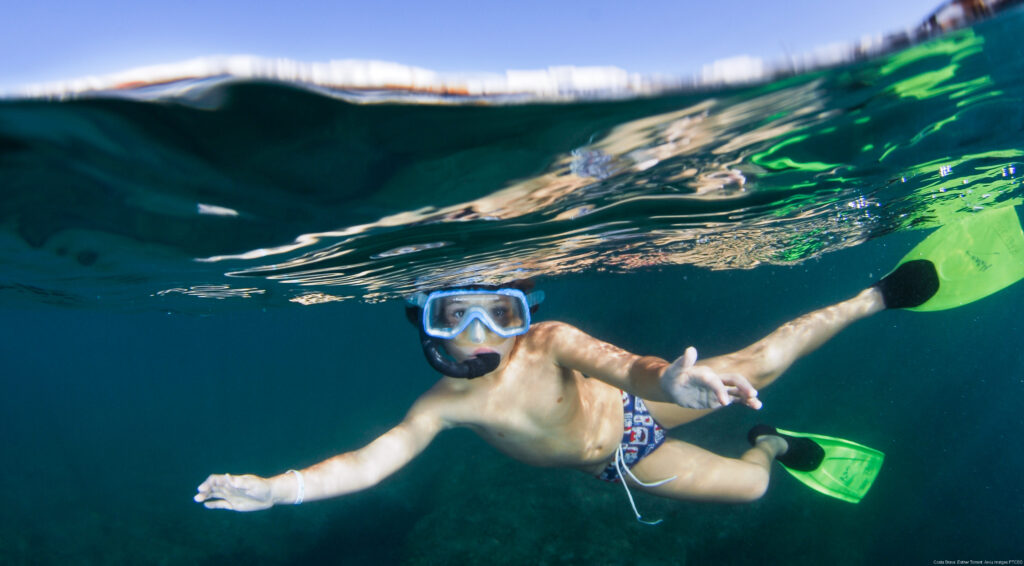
435	299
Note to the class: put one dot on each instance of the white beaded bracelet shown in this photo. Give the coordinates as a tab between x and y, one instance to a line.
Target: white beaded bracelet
302	486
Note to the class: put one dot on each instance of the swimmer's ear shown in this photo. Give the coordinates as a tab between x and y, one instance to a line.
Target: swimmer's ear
414	314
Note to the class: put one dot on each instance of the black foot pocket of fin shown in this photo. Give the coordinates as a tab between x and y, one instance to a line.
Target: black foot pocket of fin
910	285
803	455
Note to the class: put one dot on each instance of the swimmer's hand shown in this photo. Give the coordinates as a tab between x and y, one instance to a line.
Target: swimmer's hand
699	387
238	493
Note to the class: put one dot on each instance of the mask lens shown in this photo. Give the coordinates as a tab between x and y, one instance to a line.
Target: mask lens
447	313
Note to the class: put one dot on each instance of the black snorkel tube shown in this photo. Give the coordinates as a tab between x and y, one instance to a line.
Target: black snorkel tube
481	364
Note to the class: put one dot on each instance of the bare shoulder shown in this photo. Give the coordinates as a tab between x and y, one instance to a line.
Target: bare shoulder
545	332
553	326
549	338
561	338
450	402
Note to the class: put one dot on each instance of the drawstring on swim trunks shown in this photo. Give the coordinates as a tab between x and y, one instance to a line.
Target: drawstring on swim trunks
622	476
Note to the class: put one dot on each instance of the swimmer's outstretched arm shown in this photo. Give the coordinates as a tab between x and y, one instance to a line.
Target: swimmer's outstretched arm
647	377
717	381
340	475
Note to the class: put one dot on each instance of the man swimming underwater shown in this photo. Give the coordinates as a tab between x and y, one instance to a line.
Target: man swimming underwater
550	395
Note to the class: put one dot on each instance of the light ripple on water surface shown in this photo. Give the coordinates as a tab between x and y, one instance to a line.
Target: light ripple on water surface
402	197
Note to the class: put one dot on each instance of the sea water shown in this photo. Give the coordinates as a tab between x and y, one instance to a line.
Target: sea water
212	281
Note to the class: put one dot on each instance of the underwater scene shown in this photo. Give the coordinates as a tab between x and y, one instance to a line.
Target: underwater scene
210	275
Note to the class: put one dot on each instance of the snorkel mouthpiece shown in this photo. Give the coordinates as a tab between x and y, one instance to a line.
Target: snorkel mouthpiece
481	364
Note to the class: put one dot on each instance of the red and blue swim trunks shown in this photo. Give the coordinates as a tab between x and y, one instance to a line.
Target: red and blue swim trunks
641	435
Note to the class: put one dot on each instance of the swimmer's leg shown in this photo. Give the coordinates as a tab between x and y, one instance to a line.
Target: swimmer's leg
763	361
705	476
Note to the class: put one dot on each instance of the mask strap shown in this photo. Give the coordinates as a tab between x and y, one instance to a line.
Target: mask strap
535	298
417	300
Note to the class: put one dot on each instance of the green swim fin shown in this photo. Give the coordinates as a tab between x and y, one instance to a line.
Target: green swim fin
833	466
966	260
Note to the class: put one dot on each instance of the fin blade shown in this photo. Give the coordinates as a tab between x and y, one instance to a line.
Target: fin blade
848	470
975	256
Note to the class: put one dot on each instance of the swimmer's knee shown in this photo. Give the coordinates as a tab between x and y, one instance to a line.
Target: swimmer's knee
754	488
743	487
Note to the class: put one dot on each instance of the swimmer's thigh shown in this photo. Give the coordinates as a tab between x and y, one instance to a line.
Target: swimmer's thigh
700	475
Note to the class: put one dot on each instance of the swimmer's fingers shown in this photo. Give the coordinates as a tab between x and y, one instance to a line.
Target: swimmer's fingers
682	364
740	389
238	493
726	388
218	504
218	485
688	358
207	489
213	492
699	387
718	394
751	401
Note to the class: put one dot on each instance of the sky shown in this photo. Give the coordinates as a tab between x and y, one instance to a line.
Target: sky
51	40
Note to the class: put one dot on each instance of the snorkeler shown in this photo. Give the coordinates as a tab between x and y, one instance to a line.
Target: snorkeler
549	394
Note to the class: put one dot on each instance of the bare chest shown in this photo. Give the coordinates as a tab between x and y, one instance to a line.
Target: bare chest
550	416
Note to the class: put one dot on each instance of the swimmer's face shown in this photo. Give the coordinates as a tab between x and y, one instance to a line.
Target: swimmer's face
477	338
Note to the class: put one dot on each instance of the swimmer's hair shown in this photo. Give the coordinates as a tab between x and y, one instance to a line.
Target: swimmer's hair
524	285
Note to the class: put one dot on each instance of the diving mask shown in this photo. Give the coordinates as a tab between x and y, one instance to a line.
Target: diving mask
506	312
443	315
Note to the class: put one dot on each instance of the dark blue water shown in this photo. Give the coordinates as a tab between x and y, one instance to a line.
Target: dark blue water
125	381
111	419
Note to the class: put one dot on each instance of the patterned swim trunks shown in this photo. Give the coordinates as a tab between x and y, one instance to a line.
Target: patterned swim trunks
641	435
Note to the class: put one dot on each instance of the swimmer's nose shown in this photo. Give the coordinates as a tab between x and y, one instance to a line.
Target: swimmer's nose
477	332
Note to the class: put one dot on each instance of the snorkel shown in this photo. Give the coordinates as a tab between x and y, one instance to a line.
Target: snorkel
438	358
434	347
